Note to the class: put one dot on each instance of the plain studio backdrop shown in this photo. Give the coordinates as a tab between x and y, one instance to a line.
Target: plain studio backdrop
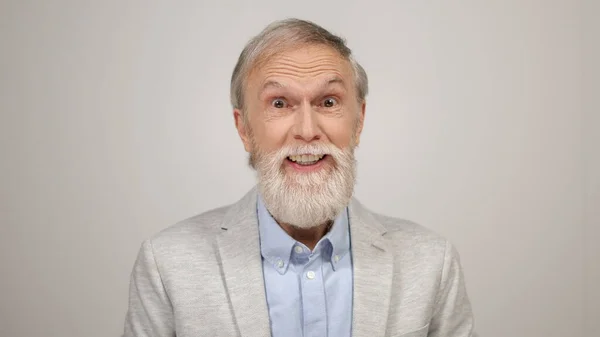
482	124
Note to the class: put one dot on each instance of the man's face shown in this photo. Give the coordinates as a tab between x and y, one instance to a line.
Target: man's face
302	96
302	124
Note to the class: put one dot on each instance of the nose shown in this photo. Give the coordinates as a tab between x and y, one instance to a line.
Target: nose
306	125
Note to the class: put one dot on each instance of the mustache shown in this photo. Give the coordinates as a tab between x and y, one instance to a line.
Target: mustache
340	156
314	149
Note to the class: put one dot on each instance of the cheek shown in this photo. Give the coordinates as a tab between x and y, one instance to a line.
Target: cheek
270	136
340	132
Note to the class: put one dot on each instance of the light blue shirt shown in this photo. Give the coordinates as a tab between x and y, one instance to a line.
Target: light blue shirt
309	294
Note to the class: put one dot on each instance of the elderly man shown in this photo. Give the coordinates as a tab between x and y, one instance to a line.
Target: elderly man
298	256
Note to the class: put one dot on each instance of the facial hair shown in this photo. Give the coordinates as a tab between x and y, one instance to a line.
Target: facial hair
305	199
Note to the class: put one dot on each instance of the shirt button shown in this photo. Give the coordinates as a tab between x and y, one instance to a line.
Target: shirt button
310	275
298	249
336	258
280	264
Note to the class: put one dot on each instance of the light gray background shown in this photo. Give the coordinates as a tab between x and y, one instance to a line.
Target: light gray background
482	124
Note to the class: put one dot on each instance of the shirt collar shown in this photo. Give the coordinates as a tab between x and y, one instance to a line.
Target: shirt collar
339	236
276	245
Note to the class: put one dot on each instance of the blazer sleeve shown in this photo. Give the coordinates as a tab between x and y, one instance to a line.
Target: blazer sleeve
452	315
150	313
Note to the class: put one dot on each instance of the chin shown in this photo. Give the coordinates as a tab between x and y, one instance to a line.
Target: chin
307	190
307	200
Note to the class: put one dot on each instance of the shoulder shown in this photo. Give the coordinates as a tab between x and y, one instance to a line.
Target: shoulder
394	228
197	230
198	233
417	248
408	237
407	229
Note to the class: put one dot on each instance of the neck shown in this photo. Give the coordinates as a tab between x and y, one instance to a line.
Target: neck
308	236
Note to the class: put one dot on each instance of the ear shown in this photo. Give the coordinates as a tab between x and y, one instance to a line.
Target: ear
360	122
242	128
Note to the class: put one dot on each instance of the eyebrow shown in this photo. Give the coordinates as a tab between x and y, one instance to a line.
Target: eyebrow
275	84
269	84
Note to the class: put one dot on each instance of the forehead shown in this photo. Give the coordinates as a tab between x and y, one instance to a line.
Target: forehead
305	64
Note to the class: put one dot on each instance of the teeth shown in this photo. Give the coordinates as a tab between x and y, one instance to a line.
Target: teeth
306	158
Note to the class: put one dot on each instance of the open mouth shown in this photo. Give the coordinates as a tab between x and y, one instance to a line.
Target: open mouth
306	159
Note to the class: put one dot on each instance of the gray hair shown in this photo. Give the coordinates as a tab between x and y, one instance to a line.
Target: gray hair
284	34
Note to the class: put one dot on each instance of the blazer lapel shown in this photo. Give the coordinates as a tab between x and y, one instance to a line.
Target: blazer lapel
372	262
239	250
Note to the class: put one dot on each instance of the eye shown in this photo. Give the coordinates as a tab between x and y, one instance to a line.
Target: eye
330	102
279	103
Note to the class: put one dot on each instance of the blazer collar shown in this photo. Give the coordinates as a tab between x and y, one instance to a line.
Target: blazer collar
372	263
239	251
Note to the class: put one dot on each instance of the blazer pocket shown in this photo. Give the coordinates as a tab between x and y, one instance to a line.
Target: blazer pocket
420	332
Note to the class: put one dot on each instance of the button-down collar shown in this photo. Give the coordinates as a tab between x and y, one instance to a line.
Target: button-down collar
277	247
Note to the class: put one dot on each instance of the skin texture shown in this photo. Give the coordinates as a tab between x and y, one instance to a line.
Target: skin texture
302	95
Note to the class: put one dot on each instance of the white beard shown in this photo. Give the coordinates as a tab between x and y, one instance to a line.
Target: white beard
306	199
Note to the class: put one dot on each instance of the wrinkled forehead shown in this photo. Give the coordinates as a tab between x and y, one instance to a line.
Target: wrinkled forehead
303	64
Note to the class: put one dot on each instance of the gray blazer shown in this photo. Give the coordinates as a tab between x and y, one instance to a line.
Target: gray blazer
203	277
